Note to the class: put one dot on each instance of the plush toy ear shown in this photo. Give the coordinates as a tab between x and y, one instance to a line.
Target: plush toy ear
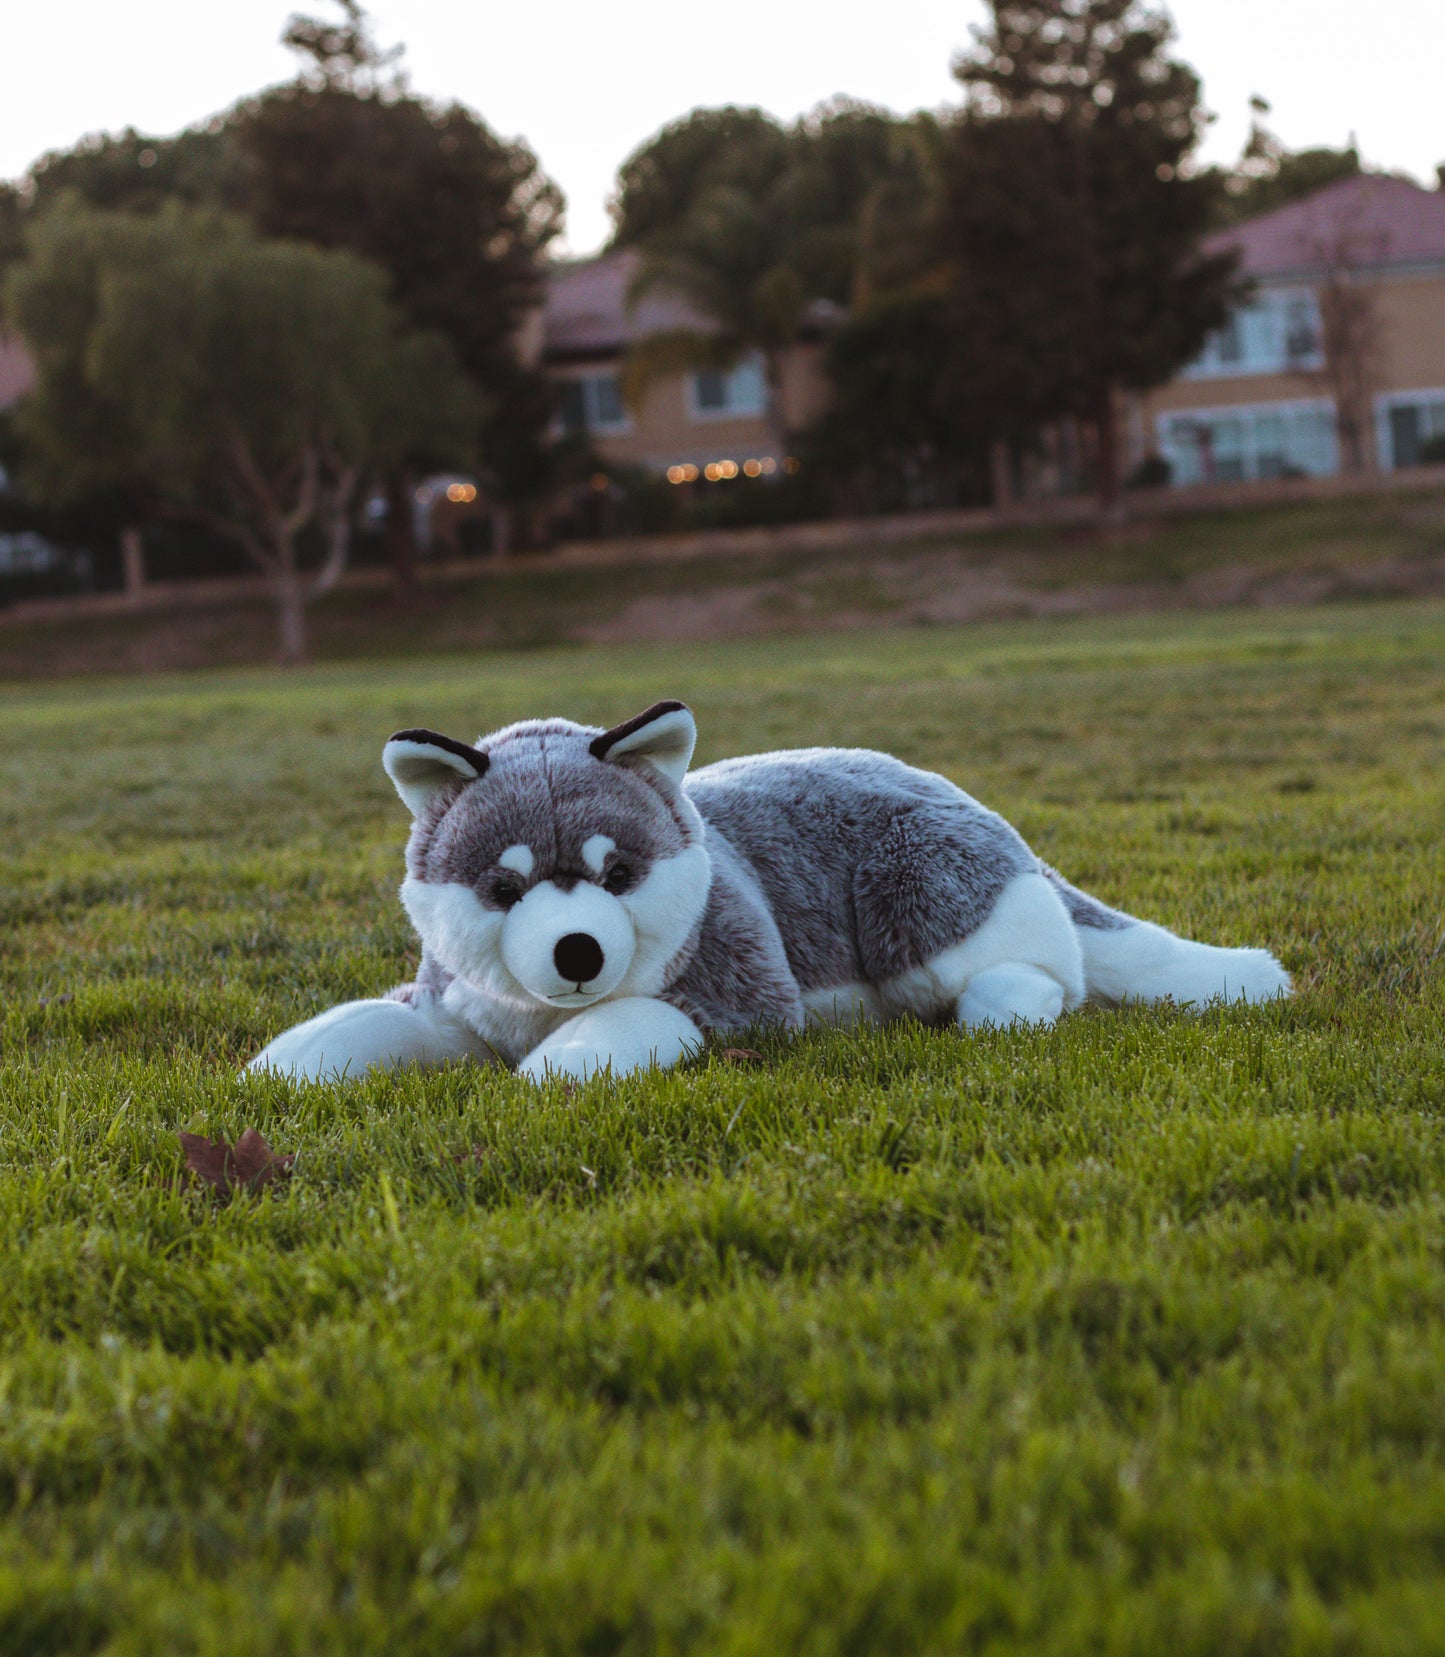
421	762
663	738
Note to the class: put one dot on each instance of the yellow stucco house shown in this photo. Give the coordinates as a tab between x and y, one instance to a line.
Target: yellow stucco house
687	423
1335	362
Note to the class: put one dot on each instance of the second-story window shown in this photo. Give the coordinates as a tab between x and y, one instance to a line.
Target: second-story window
731	393
1272	334
592	403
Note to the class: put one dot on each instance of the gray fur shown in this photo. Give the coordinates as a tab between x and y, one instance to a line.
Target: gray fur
1085	910
544	790
584	904
868	866
740	973
828	866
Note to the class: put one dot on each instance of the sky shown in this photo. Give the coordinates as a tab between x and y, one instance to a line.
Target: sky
585	83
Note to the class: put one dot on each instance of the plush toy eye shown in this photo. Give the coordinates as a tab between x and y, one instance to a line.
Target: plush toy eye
619	878
505	893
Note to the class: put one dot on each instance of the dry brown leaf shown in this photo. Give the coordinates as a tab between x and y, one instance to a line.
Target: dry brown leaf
740	1055
247	1165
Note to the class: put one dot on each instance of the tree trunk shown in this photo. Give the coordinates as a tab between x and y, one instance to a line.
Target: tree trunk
1106	421
1000	475
775	417
401	536
501	532
290	604
291	618
338	531
132	562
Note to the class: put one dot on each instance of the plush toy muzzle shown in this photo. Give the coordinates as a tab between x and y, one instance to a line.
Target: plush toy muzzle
568	948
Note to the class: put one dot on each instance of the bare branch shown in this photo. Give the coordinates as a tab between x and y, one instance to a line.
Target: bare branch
253	478
233	528
306	494
339	534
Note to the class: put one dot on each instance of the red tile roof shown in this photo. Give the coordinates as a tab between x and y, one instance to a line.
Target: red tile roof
1367	222
586	311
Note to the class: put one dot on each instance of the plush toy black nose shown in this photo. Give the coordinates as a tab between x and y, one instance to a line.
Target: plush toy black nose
578	957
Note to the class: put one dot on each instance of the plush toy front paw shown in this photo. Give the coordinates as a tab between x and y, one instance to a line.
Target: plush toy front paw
349	1040
636	1033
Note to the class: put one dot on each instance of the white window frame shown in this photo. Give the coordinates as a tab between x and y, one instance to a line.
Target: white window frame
705	416
1208	365
1246	412
1384	436
591	423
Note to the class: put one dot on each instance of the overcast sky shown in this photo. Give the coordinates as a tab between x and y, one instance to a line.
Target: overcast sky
585	83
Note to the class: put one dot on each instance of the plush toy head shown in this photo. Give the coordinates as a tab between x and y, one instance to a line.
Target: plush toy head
552	862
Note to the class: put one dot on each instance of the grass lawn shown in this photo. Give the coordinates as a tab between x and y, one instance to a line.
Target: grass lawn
1124	1337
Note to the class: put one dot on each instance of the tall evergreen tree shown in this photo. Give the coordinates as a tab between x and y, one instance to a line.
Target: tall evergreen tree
1072	218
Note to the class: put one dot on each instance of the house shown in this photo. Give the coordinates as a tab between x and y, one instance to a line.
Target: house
1336	361
709	422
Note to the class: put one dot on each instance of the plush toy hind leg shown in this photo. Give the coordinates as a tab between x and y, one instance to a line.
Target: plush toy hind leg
370	1035
635	1033
1010	994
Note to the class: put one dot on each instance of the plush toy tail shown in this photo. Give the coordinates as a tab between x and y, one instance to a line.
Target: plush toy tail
1126	959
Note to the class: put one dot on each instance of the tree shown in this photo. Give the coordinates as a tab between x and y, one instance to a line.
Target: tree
123	173
904	426
659	184
862	194
244	383
344	157
1267	174
1072	221
730	259
1347	256
128	172
753	225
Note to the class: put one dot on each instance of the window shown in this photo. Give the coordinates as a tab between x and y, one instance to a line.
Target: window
1272	440
592	403
1273	334
731	393
1413	428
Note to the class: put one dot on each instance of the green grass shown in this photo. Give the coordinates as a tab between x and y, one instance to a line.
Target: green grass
1125	1337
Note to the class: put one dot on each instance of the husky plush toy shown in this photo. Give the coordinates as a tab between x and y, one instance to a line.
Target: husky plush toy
584	904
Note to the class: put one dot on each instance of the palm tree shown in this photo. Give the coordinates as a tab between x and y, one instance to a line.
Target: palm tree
787	222
729	259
